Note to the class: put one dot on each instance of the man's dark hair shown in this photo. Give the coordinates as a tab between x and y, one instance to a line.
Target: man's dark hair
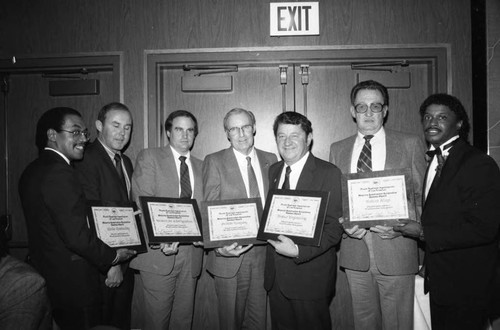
101	116
180	113
292	118
452	103
53	118
372	85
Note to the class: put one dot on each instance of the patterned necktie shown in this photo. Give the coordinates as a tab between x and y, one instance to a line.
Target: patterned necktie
286	183
365	157
185	180
253	187
119	169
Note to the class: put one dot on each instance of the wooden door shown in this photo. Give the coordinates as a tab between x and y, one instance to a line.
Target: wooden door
26	100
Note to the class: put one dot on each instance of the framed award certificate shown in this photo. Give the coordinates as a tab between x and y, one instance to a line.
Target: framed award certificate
171	219
377	198
229	221
297	214
117	224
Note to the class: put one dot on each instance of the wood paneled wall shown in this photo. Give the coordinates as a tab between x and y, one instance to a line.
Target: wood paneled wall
61	27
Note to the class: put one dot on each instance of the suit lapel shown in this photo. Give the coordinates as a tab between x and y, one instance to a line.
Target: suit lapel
233	170
103	154
307	175
264	168
393	157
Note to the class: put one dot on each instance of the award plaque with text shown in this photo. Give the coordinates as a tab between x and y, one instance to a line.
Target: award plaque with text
378	198
171	219
228	221
297	214
117	224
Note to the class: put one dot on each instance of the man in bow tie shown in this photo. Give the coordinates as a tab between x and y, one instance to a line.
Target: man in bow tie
380	264
460	219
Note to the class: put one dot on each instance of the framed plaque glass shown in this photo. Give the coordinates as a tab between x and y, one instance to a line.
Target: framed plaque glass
297	214
171	219
378	198
117	224
228	221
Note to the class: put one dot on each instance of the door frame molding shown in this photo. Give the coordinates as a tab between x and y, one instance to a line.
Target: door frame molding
438	56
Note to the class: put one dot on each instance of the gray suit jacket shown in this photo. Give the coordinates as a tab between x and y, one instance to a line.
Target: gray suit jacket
222	180
398	256
156	175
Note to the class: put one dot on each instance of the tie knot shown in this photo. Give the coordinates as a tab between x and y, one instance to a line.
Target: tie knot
182	159
368	138
288	170
118	158
249	160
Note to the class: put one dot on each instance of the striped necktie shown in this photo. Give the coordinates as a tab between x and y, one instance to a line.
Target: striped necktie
185	180
365	157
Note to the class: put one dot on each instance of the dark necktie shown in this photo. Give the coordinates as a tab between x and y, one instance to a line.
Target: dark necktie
253	187
185	180
119	169
365	157
286	183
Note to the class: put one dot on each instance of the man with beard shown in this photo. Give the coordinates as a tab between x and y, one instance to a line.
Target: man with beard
105	174
62	247
460	219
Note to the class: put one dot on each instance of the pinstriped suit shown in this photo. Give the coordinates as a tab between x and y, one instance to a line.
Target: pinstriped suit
398	256
155	174
222	180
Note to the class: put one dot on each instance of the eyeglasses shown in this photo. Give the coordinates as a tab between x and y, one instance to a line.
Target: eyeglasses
247	129
374	107
76	133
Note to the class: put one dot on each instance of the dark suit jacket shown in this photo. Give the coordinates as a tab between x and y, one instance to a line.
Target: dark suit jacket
63	249
312	274
461	219
156	175
398	256
222	180
98	174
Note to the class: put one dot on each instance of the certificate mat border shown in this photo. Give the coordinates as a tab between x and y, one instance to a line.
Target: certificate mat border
220	243
410	197
320	222
152	239
141	248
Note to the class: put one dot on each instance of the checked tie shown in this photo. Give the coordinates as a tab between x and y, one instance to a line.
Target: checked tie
365	157
185	180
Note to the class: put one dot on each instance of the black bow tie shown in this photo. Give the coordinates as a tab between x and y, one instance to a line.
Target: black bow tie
437	151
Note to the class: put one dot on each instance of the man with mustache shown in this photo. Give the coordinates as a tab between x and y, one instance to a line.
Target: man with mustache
460	219
380	264
61	246
105	174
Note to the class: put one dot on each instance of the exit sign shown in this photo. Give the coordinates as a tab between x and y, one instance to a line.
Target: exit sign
294	18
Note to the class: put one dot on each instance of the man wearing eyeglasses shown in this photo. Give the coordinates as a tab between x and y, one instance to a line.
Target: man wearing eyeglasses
240	171
62	247
105	174
380	264
169	271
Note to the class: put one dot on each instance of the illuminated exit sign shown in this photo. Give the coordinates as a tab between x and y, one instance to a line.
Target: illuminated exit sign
294	18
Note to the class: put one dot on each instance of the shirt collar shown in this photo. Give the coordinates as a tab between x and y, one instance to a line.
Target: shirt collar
299	165
60	154
110	152
446	151
177	154
243	158
379	136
